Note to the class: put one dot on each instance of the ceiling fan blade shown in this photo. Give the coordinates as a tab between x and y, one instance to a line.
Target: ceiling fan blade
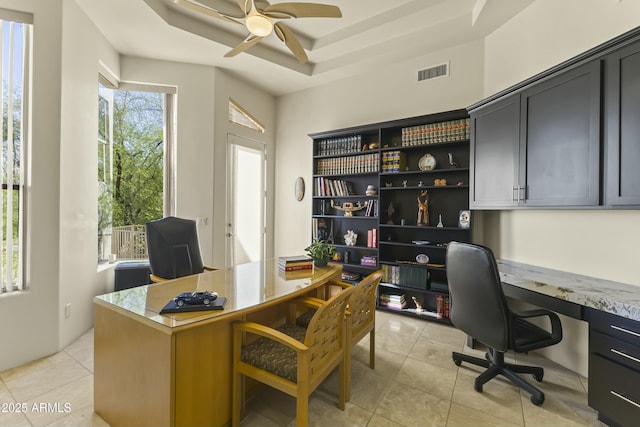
206	11
245	5
222	7
302	10
286	35
251	40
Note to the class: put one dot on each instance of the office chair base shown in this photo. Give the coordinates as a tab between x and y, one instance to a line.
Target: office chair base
495	365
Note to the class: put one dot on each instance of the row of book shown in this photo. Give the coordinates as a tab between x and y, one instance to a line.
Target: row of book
294	263
372	238
433	133
442	306
393	161
332	187
410	276
343	145
364	163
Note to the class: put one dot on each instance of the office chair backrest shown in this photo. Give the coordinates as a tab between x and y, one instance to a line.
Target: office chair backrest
478	305
173	248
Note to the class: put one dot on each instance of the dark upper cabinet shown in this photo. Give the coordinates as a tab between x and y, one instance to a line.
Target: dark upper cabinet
622	125
560	140
540	146
495	131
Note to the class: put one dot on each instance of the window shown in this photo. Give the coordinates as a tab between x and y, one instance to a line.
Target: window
15	56
242	117
132	178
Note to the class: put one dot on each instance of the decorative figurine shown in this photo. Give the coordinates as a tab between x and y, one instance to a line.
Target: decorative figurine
452	162
350	238
423	209
390	211
420	184
418	305
440	224
404	183
371	190
348	208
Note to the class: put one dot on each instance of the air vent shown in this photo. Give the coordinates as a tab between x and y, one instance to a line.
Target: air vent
440	70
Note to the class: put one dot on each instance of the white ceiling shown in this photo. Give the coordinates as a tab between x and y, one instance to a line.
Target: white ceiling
370	33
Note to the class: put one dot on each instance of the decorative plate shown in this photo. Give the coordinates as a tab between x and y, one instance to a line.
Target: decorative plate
427	162
422	258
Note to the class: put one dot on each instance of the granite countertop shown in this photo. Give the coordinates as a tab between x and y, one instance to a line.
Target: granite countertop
612	297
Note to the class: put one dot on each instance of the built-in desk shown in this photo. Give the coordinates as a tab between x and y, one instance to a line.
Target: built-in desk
613	312
175	370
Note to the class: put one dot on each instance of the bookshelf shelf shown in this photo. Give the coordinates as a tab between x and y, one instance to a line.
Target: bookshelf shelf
388	158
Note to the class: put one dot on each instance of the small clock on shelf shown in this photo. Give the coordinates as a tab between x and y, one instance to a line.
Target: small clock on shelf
427	162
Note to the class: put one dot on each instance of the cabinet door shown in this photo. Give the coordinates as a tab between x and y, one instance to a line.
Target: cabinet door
622	113
495	132
560	139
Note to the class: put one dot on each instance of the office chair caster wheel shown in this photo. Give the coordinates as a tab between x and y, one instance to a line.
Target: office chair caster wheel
477	387
538	377
457	362
537	401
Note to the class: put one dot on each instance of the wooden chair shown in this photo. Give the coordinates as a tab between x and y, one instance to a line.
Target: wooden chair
293	359
361	317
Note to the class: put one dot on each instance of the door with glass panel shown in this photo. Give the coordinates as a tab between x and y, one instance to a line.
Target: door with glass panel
246	198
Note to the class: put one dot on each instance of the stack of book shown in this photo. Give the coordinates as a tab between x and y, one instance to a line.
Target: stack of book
294	263
396	302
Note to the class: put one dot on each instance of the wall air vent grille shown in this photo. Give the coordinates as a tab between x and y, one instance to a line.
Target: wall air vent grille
440	70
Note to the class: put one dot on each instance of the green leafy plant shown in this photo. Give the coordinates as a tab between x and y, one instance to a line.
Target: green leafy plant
320	252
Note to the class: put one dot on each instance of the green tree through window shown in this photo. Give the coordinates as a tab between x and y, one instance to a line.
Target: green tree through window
132	192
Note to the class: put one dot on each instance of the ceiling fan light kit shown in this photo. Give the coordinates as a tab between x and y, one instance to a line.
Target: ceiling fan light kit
259	18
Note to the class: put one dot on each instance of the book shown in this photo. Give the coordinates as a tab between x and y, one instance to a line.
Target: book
291	263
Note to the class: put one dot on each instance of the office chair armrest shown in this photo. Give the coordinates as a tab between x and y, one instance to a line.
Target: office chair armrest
270	333
556	325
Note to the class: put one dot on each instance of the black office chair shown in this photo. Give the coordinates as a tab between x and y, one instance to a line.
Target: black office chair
479	308
173	248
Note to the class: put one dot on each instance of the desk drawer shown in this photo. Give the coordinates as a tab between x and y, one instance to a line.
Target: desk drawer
614	391
619	327
614	349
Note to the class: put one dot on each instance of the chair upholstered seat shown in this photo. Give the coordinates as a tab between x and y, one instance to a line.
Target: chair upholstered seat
271	356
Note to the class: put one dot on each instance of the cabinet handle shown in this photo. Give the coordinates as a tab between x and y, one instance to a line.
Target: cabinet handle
522	193
626	399
620	353
516	193
618	328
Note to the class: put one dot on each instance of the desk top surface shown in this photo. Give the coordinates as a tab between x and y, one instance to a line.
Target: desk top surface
612	297
246	286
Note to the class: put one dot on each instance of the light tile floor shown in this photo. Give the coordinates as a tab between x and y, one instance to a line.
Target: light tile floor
415	383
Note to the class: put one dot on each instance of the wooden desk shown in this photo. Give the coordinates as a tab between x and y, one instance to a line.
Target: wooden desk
175	370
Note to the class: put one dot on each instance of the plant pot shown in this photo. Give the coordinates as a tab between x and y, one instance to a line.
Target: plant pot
320	262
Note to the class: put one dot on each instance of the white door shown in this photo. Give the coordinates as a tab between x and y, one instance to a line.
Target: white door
246	198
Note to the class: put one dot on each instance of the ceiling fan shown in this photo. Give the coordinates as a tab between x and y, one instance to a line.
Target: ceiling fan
261	18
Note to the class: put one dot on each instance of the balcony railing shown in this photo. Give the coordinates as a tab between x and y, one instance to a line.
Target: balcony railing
129	242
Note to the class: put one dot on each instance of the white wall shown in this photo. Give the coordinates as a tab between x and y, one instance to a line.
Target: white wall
385	93
597	243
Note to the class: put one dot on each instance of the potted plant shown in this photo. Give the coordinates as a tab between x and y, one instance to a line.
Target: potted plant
320	252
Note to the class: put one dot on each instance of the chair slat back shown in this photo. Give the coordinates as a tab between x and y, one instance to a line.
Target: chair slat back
363	303
325	334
